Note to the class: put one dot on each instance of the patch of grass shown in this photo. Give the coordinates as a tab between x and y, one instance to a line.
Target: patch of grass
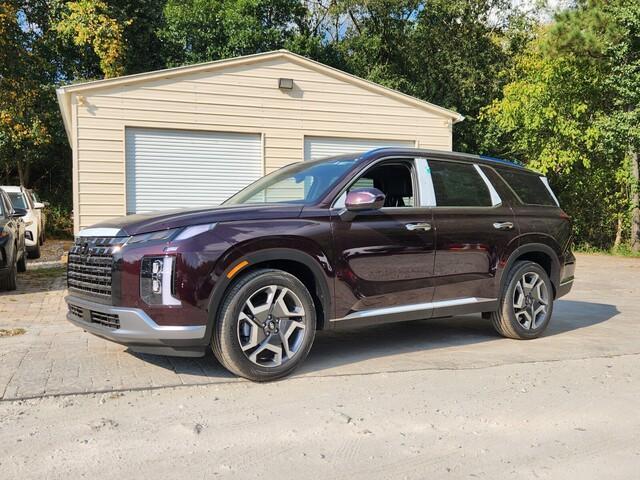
623	250
12	332
50	272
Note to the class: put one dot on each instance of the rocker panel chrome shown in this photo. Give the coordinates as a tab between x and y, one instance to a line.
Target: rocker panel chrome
420	310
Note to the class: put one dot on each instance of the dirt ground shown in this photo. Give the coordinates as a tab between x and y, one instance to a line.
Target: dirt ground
429	399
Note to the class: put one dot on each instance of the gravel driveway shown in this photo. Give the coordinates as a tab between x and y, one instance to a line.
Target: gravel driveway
429	399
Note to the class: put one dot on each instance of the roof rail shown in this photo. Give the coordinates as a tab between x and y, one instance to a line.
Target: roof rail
501	160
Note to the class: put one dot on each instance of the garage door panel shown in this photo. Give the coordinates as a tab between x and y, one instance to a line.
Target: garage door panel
169	169
321	147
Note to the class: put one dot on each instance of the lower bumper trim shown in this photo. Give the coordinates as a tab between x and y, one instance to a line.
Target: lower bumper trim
136	327
564	287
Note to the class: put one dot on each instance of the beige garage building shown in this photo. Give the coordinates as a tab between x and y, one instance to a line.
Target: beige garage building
192	136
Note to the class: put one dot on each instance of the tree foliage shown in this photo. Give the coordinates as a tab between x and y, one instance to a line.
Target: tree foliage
571	110
560	95
204	30
89	23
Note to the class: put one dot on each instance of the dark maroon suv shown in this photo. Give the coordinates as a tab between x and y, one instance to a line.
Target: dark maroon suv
385	236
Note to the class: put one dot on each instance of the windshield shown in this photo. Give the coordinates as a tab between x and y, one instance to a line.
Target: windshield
18	200
304	182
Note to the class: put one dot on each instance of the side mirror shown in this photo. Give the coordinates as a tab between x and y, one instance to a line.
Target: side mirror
38	205
364	199
361	200
18	212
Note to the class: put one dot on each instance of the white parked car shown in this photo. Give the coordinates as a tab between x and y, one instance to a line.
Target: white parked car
40	213
34	233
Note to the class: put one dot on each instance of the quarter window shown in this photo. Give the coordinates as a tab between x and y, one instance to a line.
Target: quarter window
528	187
458	185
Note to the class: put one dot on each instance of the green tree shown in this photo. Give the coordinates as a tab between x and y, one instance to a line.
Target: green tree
204	30
91	23
449	52
571	111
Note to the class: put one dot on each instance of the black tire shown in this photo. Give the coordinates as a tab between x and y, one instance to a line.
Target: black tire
22	263
226	342
506	322
34	252
9	282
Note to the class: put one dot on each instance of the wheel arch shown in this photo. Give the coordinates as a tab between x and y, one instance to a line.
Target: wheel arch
540	253
301	265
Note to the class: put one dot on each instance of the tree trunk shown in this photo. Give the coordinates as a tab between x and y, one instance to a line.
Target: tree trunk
618	239
21	173
635	203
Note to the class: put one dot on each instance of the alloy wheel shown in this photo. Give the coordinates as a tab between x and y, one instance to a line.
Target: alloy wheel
271	326
530	301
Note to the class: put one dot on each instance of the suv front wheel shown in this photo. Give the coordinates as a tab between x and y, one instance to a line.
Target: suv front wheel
526	304
265	326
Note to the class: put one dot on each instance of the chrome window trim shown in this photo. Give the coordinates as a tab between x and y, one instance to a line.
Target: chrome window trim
545	181
495	198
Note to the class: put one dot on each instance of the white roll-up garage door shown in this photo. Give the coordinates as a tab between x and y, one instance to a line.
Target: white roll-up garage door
169	169
320	147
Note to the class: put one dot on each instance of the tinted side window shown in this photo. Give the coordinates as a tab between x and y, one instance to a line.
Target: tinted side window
528	187
458	185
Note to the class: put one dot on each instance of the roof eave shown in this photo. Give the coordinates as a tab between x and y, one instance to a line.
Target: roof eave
64	101
455	117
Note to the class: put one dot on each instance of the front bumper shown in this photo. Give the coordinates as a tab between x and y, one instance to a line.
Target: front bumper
31	235
131	326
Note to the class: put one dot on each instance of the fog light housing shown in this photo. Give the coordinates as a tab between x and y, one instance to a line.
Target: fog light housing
28	235
157	280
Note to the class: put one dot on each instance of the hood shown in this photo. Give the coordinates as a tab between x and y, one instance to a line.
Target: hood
156	221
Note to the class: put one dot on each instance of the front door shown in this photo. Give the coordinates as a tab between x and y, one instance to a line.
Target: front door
385	258
473	227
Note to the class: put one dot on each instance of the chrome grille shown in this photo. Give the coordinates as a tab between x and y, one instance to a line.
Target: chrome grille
90	265
75	311
106	319
109	320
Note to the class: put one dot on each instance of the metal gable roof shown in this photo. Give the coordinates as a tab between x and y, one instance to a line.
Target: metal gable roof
64	93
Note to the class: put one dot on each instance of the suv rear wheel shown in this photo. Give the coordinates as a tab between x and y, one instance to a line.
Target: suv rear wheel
526	304
266	325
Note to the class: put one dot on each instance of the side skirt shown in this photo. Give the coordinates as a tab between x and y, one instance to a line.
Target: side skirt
418	311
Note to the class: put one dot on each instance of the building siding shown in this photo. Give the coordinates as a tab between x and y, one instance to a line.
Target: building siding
241	98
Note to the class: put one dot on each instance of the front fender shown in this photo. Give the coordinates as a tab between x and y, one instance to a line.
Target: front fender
272	249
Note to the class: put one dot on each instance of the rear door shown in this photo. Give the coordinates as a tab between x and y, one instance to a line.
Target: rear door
474	226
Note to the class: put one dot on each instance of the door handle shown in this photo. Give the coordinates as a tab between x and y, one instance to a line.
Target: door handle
425	227
503	225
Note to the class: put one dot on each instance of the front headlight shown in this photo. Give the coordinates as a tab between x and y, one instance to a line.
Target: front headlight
157	280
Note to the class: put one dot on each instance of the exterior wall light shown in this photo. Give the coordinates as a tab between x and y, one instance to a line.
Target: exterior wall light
285	83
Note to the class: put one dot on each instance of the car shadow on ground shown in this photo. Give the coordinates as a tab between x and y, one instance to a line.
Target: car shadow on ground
337	348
